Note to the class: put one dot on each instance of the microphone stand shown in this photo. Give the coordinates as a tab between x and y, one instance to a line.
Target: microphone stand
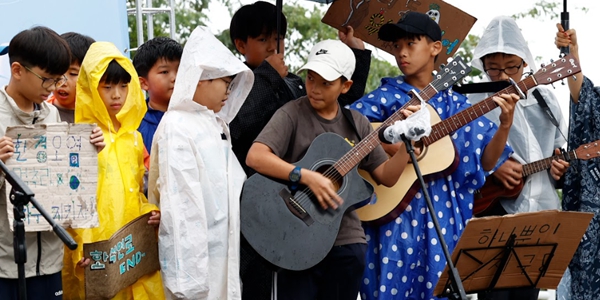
564	21
457	291
20	196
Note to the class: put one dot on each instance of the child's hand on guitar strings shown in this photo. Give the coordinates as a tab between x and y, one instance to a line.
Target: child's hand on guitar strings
323	188
559	166
510	173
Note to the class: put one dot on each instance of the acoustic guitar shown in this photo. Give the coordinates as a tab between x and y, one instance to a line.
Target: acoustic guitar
493	190
439	159
292	231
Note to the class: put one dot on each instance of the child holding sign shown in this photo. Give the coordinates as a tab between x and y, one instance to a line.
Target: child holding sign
109	94
38	59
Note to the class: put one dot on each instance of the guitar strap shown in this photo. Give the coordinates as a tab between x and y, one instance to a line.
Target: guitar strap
348	114
542	102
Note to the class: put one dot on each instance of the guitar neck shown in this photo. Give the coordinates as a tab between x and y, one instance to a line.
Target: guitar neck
460	119
371	141
546	163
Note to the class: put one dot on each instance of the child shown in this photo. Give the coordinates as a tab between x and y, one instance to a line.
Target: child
195	176
581	191
253	31
64	96
109	95
405	256
38	59
156	62
502	53
285	139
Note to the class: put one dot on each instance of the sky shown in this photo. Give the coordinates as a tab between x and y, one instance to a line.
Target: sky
539	32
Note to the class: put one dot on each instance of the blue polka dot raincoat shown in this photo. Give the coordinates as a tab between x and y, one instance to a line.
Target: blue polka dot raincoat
404	257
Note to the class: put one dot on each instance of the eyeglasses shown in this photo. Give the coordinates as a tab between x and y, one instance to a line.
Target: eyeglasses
48	82
228	84
508	71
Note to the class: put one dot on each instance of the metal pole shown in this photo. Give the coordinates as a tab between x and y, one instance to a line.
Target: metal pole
139	22
150	20
172	18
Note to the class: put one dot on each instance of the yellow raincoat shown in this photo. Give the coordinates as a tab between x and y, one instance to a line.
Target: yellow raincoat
120	170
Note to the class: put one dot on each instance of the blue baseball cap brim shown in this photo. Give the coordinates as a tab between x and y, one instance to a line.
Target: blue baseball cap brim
3	50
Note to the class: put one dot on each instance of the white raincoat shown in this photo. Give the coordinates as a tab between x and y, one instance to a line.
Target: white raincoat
532	135
197	180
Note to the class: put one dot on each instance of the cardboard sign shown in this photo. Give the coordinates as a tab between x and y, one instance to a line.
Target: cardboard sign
60	165
367	17
120	261
544	243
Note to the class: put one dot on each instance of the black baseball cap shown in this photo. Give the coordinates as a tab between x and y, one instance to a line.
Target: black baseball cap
411	22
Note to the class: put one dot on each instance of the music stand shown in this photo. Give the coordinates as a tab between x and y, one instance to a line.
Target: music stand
512	251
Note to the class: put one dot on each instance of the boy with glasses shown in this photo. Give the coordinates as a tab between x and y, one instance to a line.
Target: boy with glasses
503	54
195	176
39	58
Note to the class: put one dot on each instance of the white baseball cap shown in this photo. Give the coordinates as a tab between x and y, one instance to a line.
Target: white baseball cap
331	59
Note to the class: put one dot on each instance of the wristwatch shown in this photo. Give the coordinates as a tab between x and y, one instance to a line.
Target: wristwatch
295	176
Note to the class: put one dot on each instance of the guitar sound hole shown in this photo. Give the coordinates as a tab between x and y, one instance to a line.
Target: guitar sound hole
422	150
332	174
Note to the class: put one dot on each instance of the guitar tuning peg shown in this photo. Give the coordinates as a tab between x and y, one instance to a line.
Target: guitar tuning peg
434	72
442	66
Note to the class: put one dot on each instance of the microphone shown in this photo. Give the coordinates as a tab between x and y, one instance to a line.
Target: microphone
564	21
399	131
384	135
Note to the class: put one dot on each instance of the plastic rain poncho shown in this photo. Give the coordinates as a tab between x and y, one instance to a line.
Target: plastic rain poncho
532	135
197	179
120	170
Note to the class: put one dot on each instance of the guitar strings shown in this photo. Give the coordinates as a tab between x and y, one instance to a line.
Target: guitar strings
332	172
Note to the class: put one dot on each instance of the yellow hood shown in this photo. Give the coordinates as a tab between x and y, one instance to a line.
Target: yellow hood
90	108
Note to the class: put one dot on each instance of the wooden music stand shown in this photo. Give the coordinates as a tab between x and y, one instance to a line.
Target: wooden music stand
520	250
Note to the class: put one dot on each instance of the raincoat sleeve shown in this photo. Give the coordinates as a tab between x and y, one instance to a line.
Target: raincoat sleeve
183	227
379	104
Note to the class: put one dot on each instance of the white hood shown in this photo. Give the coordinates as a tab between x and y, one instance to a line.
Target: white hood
205	57
502	35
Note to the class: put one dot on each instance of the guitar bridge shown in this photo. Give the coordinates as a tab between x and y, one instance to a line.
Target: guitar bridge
295	207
